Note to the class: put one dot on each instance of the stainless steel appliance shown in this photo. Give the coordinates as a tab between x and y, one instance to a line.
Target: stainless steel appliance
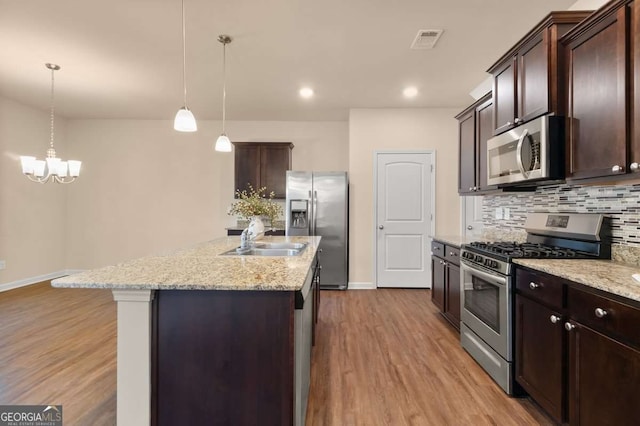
487	280
533	151
318	204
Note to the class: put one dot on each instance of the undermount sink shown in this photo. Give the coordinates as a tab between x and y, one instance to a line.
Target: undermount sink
268	249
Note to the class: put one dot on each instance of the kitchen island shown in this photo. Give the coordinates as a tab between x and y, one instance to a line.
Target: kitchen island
206	338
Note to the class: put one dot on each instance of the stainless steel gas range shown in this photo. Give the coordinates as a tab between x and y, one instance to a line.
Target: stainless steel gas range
487	279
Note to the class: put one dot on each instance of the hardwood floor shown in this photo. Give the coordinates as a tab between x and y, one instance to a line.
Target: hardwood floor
59	347
382	357
387	357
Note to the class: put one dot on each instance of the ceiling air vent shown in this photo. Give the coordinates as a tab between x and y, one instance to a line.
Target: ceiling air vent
426	39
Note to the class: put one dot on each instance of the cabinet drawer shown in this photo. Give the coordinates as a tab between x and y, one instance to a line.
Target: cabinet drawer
541	287
452	254
437	249
605	315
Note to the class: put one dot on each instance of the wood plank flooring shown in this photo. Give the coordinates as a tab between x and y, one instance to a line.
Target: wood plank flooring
382	357
58	346
387	357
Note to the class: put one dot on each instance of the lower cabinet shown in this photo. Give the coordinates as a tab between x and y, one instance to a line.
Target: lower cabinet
445	281
577	350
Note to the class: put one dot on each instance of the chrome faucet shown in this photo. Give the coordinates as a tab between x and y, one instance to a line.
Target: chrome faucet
245	240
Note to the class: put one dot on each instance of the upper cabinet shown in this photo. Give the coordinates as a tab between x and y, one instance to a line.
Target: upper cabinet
527	80
602	136
475	127
262	164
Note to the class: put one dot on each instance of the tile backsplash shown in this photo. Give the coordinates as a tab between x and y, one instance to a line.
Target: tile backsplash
620	202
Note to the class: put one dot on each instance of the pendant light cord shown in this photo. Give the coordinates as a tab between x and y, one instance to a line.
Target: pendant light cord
184	58
224	84
52	107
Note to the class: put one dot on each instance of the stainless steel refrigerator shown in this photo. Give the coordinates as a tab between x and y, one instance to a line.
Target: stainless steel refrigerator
318	204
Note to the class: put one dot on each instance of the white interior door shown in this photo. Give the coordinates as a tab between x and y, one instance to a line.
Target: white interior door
471	222
404	189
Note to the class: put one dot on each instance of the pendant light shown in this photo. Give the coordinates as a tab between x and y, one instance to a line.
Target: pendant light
184	121
52	169
223	144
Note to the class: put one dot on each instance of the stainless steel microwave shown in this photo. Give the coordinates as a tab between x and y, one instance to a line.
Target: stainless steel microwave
531	152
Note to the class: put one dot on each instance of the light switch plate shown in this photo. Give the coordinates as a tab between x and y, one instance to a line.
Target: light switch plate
498	213
3	264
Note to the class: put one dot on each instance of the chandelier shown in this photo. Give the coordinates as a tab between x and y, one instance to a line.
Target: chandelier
53	169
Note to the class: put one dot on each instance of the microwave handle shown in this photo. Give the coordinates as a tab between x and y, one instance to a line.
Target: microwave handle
519	153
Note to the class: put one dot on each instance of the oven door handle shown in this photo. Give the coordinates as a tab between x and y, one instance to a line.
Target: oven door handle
496	279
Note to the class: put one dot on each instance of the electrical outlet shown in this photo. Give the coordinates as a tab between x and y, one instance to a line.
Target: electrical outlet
498	213
506	213
3	264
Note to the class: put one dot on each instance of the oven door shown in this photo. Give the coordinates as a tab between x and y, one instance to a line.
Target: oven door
486	306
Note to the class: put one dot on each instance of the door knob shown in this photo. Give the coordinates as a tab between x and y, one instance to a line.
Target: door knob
469	227
380	226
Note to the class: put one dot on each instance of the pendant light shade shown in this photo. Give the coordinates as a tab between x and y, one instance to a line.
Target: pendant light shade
184	121
223	144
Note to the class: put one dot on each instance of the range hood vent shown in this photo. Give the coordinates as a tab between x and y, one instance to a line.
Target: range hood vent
426	39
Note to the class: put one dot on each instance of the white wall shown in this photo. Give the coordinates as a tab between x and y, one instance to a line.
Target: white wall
371	130
32	215
146	188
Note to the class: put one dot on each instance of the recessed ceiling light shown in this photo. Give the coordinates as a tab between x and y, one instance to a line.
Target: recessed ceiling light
410	92
306	92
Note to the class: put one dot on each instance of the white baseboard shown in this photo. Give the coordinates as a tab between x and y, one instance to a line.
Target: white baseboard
361	286
37	279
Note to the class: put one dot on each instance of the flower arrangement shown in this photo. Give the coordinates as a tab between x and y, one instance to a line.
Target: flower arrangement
255	203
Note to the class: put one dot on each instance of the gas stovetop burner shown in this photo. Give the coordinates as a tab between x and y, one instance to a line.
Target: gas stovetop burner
512	250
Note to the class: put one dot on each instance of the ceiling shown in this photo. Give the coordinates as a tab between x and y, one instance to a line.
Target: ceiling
123	58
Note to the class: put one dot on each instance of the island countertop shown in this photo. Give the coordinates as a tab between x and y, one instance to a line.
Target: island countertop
201	267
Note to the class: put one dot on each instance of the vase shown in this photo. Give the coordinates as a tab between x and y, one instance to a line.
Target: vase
256	228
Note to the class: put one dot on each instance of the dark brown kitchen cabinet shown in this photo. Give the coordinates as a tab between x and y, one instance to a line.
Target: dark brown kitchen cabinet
475	128
577	350
527	80
596	62
445	281
539	336
262	164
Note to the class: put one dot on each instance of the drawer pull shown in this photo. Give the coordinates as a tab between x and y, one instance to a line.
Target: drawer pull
568	326
601	313
533	285
554	318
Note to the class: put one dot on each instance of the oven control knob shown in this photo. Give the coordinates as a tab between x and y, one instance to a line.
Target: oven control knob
494	264
478	258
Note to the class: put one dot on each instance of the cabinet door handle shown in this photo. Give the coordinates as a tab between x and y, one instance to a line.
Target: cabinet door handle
634	167
554	318
568	326
601	313
452	254
517	120
617	169
533	285
509	123
471	188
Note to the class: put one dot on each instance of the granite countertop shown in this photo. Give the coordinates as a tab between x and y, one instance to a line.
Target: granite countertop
607	275
202	268
452	240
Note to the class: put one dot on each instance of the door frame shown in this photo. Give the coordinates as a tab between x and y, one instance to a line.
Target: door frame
432	189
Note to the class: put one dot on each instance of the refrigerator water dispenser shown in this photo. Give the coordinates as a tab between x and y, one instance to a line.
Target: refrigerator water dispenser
299	213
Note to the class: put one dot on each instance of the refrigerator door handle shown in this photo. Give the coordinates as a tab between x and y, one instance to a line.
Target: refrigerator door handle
315	216
310	214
